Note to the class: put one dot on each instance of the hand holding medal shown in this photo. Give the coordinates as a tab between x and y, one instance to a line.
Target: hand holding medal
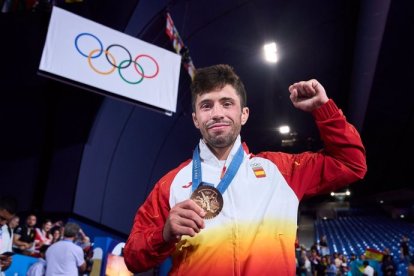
185	218
208	198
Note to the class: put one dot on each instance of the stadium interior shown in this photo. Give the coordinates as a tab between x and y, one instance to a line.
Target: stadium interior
70	152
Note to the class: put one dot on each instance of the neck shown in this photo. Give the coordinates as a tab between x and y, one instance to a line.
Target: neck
221	153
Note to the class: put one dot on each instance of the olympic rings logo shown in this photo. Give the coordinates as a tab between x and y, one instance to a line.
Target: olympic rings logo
113	64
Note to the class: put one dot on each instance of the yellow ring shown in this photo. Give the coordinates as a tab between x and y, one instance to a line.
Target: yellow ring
96	70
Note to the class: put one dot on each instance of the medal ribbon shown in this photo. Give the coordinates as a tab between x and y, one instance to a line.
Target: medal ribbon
228	176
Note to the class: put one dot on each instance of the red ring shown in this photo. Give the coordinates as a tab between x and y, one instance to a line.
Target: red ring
143	75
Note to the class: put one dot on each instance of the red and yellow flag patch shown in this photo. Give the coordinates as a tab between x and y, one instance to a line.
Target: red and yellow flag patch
259	172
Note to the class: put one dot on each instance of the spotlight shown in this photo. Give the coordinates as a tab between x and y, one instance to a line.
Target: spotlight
270	52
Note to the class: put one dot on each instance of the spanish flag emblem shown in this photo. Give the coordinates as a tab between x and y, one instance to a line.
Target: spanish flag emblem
259	172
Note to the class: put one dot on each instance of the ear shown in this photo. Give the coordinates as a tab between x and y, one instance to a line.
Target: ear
195	121
244	115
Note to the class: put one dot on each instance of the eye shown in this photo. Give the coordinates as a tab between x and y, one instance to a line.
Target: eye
205	106
227	104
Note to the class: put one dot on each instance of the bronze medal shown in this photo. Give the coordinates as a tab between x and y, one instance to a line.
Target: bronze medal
208	198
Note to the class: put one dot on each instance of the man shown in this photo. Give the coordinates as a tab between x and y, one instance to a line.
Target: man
6	237
230	212
65	257
24	236
405	249
39	268
8	207
368	270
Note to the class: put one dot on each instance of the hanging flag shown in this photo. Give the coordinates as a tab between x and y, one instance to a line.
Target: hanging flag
179	46
87	54
373	254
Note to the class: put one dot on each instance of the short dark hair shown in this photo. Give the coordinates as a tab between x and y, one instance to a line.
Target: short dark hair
43	248
216	77
9	204
71	230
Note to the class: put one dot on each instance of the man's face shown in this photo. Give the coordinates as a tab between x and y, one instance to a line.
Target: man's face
31	221
219	116
5	216
14	222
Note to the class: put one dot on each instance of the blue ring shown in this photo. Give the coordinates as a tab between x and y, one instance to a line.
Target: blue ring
85	55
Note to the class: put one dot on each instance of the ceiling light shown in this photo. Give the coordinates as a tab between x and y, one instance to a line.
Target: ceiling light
270	52
284	129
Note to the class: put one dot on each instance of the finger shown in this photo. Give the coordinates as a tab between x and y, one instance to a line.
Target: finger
191	216
307	88
191	205
314	83
182	226
188	210
302	90
292	87
182	230
188	223
183	218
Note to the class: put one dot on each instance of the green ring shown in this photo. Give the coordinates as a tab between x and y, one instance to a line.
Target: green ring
122	77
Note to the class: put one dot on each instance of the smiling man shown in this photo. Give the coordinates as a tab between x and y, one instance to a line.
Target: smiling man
238	214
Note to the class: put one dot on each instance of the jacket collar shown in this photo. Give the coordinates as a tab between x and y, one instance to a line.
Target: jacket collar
208	157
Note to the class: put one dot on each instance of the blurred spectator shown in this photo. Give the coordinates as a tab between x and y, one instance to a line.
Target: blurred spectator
56	234
410	270
64	257
315	259
405	249
322	266
303	264
43	235
344	266
368	270
82	239
6	238
331	269
39	267
24	236
388	266
337	260
13	223
8	207
88	254
323	246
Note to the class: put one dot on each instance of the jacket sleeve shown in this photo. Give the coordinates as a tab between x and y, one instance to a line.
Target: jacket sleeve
145	247
341	162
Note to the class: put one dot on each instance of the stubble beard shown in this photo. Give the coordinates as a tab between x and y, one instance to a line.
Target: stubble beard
221	140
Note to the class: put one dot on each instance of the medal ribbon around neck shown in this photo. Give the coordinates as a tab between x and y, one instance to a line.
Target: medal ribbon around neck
206	196
228	176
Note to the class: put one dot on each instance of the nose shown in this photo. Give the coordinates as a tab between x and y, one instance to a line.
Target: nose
217	111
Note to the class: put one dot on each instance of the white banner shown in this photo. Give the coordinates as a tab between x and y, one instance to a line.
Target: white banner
87	52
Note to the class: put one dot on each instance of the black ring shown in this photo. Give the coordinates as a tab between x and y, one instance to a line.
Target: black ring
117	66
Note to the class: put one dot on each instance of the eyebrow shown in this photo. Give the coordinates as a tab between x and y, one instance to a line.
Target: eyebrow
224	99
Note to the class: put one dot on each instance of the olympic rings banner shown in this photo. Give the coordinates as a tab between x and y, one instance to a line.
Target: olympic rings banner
86	52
